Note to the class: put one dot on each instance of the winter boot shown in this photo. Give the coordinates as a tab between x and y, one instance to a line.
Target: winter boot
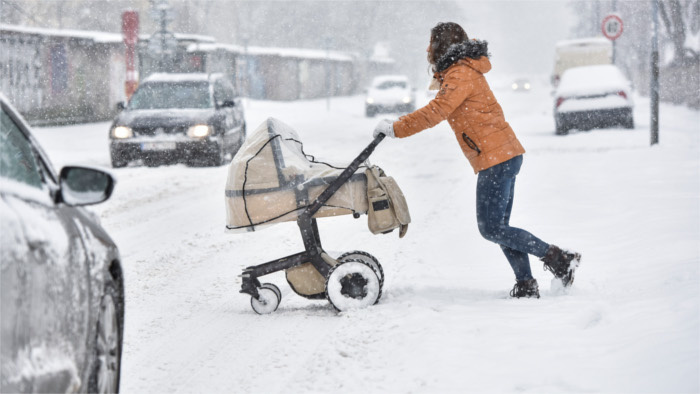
562	263
525	288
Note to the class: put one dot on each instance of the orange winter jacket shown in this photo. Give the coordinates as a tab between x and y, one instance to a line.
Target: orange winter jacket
467	102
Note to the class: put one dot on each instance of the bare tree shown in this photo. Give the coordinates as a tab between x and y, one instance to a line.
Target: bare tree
679	17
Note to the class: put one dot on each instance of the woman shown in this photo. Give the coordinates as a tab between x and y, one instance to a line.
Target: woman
493	150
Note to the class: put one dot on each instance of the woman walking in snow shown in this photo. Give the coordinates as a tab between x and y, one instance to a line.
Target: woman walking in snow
467	102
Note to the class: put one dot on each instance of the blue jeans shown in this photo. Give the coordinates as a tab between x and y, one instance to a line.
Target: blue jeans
494	201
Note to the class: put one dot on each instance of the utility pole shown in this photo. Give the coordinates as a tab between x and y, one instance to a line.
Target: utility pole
328	74
245	82
130	32
654	85
614	54
162	44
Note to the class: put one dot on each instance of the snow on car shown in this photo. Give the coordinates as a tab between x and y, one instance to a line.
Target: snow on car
61	279
593	96
389	93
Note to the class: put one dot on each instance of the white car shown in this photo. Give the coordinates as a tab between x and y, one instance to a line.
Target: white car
389	93
521	85
593	96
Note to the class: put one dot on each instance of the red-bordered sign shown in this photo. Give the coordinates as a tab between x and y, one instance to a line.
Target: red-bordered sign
612	26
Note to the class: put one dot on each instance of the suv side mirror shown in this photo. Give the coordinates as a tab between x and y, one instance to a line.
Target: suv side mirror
85	186
227	104
121	106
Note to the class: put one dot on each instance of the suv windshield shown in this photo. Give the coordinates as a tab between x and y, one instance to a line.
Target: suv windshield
161	95
391	84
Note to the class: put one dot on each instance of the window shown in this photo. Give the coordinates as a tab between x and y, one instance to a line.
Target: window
164	95
391	84
223	91
17	159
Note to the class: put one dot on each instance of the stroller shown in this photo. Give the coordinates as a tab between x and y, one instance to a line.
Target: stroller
272	180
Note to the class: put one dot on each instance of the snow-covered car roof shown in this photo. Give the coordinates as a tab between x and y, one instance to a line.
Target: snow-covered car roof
184	77
596	79
383	78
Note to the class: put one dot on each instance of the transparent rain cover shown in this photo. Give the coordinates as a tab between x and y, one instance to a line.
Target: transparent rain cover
272	180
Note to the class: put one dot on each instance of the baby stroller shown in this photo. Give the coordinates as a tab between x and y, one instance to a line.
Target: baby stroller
272	180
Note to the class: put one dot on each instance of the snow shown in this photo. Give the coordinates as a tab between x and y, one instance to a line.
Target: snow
343	303
301	53
39	363
445	322
96	36
584	43
594	103
184	37
24	191
588	80
171	77
383	78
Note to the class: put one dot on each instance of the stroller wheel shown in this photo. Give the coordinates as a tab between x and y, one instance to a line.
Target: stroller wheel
267	303
352	284
273	288
367	258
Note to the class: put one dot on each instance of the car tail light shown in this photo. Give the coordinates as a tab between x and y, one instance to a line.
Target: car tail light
622	94
559	101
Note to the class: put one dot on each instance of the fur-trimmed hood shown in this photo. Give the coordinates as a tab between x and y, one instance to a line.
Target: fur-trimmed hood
471	50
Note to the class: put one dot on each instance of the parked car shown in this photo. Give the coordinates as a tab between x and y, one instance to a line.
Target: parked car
580	52
62	314
191	118
593	96
389	93
521	85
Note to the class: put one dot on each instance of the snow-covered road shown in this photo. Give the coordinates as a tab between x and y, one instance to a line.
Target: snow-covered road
445	322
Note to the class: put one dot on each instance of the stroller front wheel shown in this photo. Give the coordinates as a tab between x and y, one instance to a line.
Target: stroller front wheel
267	302
352	284
273	288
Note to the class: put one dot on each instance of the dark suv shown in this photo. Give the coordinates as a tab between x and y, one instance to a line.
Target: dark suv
179	118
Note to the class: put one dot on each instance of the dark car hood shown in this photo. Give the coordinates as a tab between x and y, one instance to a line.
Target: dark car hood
164	117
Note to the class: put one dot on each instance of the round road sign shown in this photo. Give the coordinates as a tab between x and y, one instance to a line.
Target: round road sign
612	26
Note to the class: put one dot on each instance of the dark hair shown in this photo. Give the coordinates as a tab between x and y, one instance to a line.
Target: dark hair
442	36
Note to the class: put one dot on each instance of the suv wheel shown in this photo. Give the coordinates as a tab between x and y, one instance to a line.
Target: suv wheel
118	163
218	156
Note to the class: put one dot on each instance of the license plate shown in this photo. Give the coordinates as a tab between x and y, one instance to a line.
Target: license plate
158	146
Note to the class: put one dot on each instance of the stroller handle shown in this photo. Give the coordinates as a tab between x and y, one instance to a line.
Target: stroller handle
343	177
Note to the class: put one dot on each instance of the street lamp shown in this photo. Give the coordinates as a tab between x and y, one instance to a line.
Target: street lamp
654	85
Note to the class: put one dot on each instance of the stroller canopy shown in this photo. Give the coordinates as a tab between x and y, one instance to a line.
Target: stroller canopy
272	180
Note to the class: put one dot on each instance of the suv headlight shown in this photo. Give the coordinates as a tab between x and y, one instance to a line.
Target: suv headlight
199	131
370	100
122	132
407	99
